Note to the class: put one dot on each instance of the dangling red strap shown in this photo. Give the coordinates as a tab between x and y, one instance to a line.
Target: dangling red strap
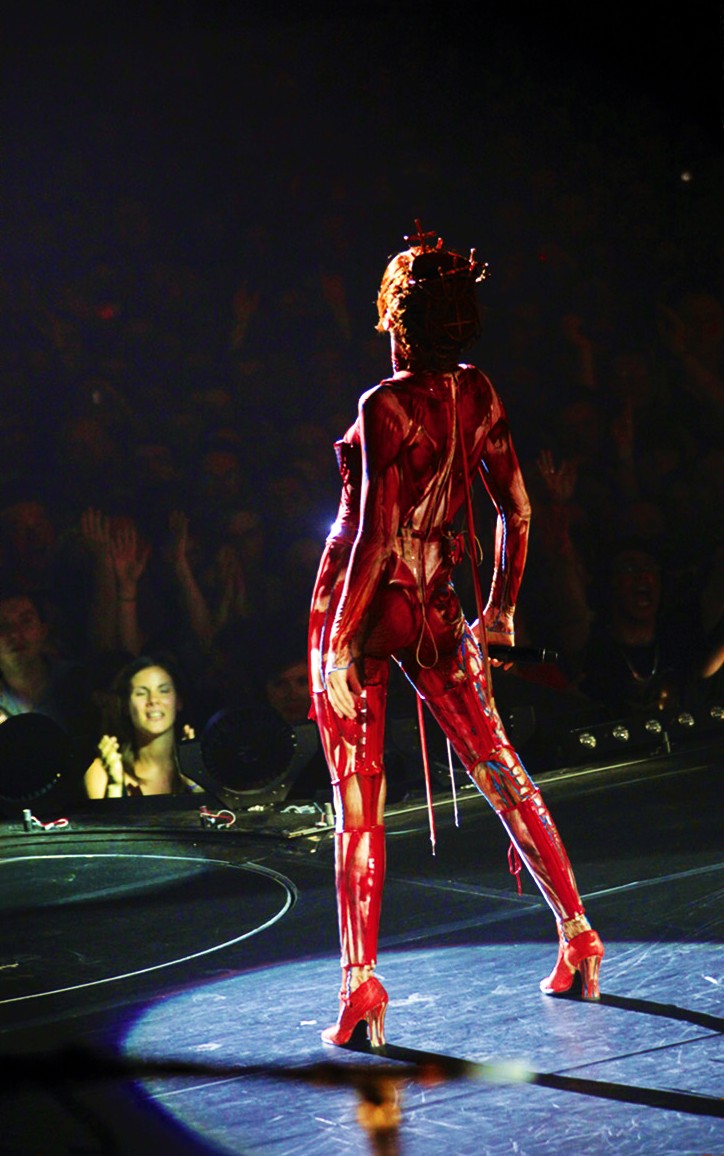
479	606
426	769
515	865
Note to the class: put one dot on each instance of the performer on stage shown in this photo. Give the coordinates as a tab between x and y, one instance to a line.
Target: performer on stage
384	590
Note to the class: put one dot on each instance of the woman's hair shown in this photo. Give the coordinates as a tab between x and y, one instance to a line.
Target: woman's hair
427	298
120	725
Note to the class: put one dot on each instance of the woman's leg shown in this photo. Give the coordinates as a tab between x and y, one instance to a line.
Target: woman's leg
359	873
354	752
456	694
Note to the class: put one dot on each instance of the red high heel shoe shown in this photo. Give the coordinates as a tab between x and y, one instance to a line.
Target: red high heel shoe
367	1002
582	955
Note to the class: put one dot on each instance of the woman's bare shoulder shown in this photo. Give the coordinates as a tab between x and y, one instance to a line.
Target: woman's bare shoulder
385	421
473	379
385	405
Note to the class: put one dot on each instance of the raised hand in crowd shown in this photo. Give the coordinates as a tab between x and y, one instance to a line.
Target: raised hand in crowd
192	598
95	532
560	480
693	333
233	601
130	554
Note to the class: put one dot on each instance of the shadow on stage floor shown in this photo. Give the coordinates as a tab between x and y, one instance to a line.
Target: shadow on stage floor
163	984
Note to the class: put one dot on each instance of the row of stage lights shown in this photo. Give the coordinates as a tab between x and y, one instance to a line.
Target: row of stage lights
651	732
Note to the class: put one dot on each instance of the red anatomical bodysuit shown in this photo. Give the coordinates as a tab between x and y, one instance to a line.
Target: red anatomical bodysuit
384	590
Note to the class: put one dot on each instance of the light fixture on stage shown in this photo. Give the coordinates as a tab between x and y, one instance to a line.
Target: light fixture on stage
700	722
249	757
639	735
644	736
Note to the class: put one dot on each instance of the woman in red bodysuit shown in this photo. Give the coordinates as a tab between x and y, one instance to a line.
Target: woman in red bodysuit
384	591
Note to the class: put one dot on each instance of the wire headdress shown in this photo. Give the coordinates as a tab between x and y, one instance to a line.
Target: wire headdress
427	297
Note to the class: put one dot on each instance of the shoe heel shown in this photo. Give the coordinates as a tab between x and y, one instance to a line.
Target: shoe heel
588	969
581	956
366	1004
376	1024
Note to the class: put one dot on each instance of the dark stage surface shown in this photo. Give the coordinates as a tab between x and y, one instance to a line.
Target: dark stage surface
137	937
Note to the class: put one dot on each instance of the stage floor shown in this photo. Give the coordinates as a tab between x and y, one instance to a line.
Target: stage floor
163	986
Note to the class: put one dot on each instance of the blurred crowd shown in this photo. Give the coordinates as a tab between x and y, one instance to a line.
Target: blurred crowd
167	473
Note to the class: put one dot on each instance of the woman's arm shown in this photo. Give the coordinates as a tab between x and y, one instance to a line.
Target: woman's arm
504	481
193	601
96	534
383	424
96	780
104	777
130	556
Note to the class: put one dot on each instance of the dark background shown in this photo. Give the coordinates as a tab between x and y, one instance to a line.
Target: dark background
156	158
274	112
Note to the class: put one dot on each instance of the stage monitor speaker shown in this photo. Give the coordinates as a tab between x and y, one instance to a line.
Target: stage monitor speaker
36	766
249	757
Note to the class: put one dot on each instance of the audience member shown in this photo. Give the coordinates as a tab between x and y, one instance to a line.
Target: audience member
193	480
240	574
32	677
31	559
691	331
29	541
555	598
134	605
140	754
641	657
286	677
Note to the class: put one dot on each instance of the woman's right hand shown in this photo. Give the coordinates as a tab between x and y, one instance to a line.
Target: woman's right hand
343	689
110	757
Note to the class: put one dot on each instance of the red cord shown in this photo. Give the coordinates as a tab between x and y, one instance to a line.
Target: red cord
220	819
515	865
426	770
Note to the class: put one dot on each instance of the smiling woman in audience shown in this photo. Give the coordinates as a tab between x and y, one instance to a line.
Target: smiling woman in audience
141	756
